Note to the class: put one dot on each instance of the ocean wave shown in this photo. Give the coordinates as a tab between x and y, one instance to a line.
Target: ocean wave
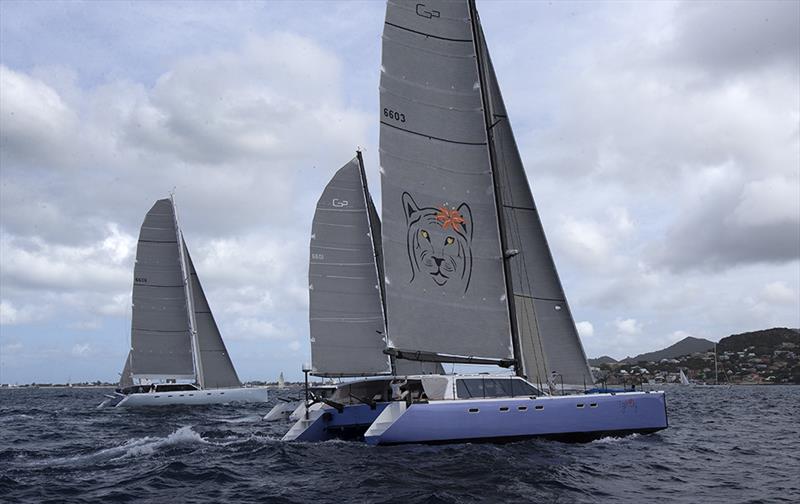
137	447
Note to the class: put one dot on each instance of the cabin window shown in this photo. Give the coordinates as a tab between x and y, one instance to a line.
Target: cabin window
523	388
593	405
539	407
474	410
471	388
522	408
579	405
504	409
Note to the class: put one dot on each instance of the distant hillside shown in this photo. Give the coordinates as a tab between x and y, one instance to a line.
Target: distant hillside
764	341
602	360
686	346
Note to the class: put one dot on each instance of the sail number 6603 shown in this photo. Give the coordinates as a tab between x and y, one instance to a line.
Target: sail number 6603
397	116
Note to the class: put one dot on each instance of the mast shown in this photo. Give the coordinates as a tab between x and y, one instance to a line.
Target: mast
507	254
196	360
363	174
716	373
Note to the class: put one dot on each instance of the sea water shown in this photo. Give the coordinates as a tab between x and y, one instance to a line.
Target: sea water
737	444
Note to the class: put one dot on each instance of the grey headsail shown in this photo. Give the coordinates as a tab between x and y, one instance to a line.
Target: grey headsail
549	341
345	312
161	338
445	287
125	379
215	362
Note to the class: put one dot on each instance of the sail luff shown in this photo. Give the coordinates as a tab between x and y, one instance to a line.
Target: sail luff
197	359
477	38
375	235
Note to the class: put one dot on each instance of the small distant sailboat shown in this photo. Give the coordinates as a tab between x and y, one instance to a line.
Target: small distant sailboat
177	355
684	380
281	382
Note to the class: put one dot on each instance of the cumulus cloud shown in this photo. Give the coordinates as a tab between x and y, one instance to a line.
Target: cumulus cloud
662	140
585	329
628	326
10	314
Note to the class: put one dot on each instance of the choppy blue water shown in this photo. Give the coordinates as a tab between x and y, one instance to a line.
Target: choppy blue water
739	444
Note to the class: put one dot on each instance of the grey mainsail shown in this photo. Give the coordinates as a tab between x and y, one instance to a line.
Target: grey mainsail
549	341
161	337
215	362
445	287
345	311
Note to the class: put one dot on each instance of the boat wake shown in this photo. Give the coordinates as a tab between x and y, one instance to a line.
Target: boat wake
137	447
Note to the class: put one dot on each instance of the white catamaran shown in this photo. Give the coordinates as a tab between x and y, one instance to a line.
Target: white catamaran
468	276
177	355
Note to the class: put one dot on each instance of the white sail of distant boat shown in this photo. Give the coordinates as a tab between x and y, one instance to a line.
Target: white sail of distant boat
281	381
468	275
177	354
683	378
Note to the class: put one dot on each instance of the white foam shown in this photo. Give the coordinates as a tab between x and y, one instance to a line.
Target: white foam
611	439
136	447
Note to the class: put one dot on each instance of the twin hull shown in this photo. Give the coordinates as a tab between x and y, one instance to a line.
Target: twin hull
207	396
572	418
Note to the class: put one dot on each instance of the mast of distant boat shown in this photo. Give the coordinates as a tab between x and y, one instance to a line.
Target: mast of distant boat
716	373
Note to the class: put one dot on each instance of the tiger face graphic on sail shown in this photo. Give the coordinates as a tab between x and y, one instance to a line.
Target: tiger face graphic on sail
439	243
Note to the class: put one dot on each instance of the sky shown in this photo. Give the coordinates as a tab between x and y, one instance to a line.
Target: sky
661	140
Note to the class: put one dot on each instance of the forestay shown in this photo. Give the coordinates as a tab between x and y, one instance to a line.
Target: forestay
445	287
161	344
345	311
549	341
215	362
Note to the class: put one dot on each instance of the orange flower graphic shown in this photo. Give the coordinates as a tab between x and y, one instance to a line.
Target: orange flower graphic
449	218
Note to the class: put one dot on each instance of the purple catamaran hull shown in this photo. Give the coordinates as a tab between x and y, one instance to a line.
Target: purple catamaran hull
570	418
567	418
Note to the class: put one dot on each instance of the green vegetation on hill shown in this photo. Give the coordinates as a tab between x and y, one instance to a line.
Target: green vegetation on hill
765	341
767	356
